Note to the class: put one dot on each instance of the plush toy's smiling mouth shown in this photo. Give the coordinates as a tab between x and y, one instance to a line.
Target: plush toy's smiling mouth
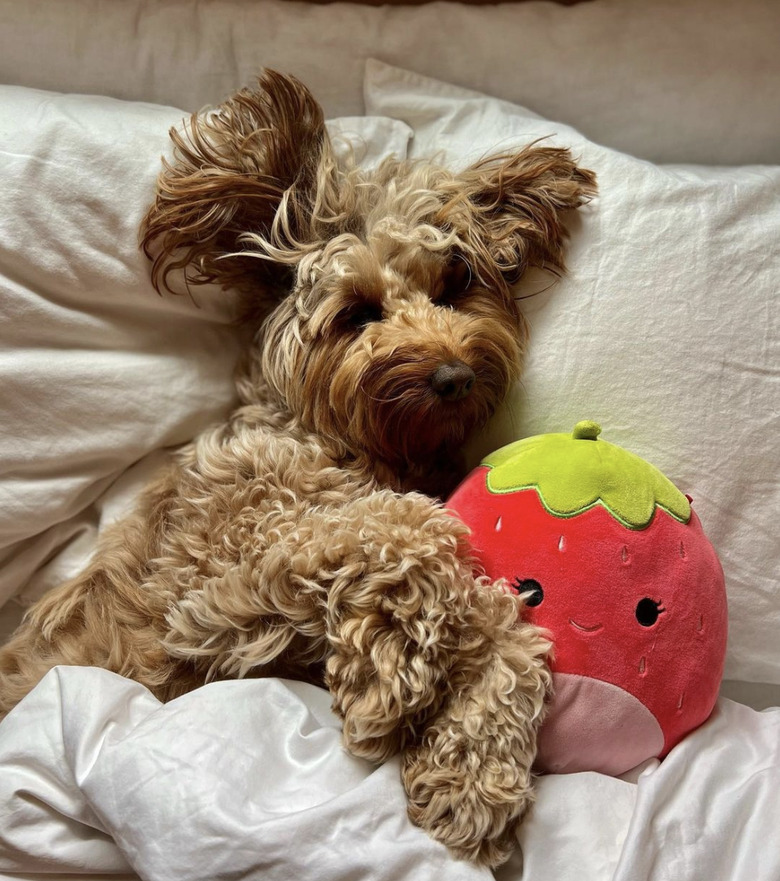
586	628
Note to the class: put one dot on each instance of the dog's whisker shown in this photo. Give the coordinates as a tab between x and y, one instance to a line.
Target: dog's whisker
389	399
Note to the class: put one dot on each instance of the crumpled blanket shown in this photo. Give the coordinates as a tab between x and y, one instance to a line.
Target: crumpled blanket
248	779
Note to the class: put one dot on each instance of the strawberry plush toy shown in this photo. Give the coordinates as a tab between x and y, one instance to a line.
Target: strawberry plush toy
615	565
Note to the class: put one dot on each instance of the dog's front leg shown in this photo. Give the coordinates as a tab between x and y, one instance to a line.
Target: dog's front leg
426	659
469	778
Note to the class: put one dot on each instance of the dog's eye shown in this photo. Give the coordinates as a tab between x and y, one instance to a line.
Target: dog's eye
359	316
456	281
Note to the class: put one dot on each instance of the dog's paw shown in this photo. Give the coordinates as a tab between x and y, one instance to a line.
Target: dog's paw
471	802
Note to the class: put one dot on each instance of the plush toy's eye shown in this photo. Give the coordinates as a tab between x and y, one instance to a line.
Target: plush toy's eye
524	585
647	612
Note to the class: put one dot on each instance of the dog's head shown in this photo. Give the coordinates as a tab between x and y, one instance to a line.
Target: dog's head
392	329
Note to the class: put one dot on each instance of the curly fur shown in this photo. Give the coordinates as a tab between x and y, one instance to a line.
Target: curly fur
294	538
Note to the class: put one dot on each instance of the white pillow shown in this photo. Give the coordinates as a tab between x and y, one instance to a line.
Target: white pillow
96	369
665	330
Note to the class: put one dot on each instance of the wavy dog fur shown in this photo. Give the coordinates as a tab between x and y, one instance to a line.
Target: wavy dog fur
294	538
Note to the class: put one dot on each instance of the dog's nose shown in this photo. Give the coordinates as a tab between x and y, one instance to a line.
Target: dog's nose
453	381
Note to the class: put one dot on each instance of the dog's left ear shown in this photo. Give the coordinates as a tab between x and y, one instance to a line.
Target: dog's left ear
249	166
519	203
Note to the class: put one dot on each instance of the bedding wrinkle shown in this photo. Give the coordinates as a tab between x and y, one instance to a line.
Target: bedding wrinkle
31	158
254	767
708	809
97	369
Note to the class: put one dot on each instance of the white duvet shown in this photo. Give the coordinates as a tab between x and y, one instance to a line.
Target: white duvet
248	780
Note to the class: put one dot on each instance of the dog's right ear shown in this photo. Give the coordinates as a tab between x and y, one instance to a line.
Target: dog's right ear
518	205
232	169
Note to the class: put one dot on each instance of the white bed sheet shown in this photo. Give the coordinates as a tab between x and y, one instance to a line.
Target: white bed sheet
248	779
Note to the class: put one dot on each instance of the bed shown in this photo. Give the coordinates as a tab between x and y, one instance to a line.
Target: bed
666	330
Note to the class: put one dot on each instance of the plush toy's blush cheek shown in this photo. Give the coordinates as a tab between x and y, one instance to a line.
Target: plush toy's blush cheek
612	740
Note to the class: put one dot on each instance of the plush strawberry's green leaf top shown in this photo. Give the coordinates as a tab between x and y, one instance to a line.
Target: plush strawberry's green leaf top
573	472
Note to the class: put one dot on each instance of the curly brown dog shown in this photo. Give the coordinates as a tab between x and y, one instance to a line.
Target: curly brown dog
295	539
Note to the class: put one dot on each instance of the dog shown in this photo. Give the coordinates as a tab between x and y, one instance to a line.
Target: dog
306	536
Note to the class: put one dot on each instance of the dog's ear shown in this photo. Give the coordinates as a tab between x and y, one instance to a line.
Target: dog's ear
233	168
519	201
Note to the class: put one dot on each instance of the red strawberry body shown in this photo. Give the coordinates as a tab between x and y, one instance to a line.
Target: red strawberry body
638	619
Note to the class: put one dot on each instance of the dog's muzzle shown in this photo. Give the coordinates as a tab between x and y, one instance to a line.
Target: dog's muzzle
453	381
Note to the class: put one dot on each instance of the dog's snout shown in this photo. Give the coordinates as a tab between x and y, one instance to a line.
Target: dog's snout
453	381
